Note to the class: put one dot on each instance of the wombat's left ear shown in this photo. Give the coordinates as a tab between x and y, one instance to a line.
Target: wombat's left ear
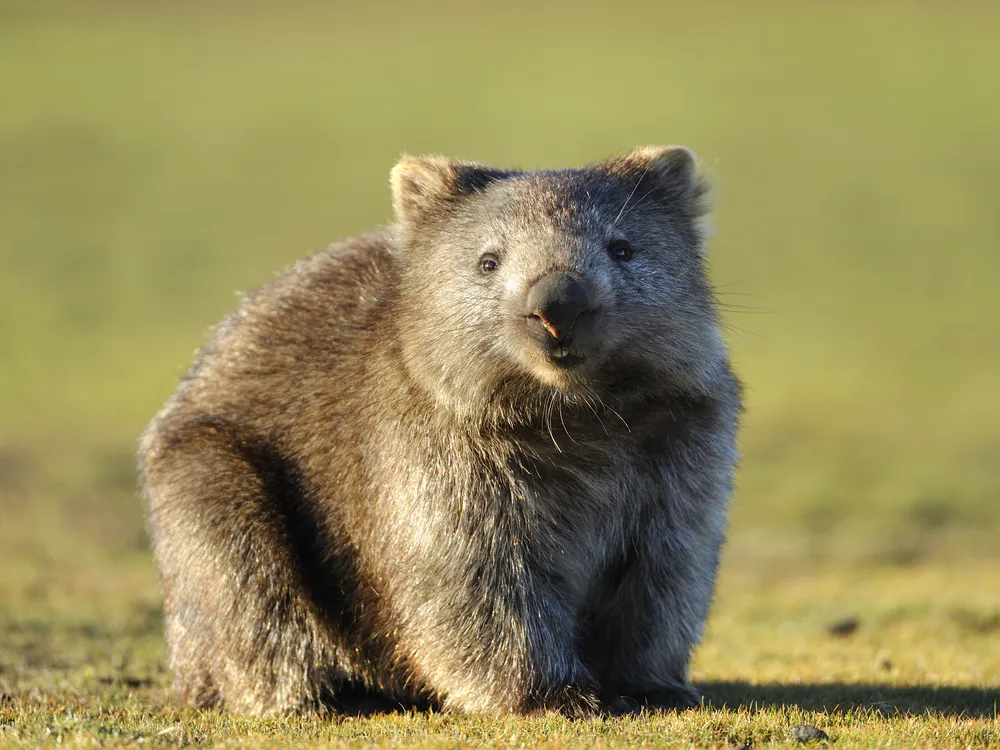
425	187
675	171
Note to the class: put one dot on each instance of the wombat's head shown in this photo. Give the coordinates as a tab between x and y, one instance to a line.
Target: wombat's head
516	286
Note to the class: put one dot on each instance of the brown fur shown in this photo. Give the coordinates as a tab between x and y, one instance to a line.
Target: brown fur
383	476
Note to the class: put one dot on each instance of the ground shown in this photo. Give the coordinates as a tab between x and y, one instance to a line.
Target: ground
156	158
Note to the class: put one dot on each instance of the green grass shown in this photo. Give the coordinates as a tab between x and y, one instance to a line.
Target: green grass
156	158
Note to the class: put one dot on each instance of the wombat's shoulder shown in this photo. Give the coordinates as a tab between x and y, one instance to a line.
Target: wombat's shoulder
332	285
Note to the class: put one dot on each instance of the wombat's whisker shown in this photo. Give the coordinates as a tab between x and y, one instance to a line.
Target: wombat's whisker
638	202
629	196
563	420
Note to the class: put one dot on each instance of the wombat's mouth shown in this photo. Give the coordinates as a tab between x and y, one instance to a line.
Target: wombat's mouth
564	345
562	358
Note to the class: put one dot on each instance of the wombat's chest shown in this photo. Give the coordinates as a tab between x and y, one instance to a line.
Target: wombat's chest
560	524
586	518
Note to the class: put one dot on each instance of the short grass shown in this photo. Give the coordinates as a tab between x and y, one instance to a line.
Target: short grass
155	158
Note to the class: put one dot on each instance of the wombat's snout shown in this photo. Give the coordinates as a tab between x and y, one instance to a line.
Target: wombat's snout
554	304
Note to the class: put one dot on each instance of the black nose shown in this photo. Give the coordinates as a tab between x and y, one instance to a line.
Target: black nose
557	300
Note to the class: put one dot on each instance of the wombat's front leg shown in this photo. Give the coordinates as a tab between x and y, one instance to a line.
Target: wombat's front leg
518	665
528	681
653	620
488	638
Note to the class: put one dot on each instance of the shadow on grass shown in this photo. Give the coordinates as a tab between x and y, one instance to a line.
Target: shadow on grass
888	700
838	697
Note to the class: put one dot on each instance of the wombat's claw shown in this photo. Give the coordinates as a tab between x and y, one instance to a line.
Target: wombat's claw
665	699
621	705
672	699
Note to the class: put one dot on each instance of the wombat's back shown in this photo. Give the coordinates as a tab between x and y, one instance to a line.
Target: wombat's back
303	336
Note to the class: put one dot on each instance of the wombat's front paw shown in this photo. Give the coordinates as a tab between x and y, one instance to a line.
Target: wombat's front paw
621	705
678	698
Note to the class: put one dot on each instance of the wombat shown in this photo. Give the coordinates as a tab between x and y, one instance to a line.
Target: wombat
479	460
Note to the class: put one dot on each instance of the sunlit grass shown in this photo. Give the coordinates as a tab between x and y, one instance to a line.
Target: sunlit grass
155	159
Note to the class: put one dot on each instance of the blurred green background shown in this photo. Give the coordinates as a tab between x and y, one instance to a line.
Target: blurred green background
157	158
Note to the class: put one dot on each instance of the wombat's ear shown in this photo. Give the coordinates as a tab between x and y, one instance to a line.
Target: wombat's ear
425	186
675	171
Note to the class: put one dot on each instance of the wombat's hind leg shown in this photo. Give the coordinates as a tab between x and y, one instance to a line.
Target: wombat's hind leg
234	546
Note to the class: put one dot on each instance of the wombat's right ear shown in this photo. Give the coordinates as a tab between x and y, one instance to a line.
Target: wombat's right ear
425	186
675	169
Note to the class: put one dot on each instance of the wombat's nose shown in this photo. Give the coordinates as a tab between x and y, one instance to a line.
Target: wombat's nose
557	300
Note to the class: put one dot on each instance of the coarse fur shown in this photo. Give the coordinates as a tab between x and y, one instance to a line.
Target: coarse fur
388	474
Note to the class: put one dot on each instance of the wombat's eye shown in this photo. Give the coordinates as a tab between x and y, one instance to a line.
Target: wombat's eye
620	250
488	263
